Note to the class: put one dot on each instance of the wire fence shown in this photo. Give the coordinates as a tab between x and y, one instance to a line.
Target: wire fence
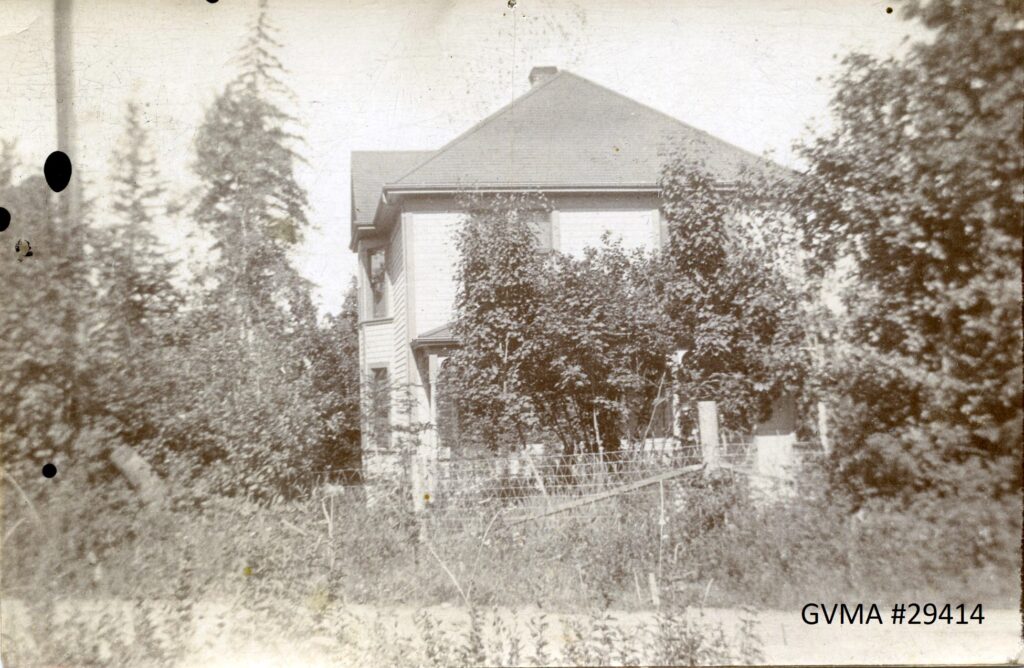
452	492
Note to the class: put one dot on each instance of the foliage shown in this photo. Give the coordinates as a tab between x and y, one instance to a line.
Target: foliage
579	348
335	385
256	392
736	320
497	316
549	344
49	373
606	345
920	186
323	553
136	297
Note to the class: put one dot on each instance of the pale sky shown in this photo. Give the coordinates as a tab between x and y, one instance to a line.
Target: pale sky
376	74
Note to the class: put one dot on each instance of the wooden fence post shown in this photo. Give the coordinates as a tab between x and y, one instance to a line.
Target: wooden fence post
826	445
707	419
652	583
416	482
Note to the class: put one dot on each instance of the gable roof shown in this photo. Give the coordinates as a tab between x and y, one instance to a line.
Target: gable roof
439	336
565	133
571	132
370	171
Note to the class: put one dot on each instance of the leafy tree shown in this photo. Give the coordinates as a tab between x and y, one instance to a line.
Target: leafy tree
47	370
336	385
496	305
920	185
552	346
736	319
606	345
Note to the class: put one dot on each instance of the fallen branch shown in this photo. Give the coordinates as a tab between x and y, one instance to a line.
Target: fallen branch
140	475
28	501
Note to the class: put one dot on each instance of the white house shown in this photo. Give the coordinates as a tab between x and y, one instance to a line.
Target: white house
595	154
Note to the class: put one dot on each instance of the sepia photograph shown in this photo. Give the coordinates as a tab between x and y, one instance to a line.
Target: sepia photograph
511	333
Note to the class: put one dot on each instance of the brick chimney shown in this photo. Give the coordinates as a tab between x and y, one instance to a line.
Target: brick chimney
539	75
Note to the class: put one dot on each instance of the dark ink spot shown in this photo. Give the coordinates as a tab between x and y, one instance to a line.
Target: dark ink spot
49	470
5	218
23	249
57	170
212	2
888	10
511	4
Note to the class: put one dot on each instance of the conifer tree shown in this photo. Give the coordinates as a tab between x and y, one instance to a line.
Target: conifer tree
251	203
246	353
136	297
136	274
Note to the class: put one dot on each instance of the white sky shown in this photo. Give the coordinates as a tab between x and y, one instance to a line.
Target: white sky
384	74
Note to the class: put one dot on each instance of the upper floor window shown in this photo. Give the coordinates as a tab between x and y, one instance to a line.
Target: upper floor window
540	220
376	281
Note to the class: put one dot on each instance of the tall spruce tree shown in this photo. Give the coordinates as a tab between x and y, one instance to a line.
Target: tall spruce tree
251	203
136	297
134	267
245	412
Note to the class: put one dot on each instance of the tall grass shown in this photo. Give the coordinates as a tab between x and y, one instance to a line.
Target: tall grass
286	569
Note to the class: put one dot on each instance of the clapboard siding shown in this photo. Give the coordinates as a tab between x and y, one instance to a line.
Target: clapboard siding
376	346
435	258
397	277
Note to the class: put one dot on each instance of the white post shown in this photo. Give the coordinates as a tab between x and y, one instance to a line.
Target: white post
419	490
707	419
826	445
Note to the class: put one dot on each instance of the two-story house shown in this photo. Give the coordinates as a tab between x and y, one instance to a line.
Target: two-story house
595	154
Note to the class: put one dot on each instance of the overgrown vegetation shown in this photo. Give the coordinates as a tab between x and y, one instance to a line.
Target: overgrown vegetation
919	189
219	374
324	553
238	396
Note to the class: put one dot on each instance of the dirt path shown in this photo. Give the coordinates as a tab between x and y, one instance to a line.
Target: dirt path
224	637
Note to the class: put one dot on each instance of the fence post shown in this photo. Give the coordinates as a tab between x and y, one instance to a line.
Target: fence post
707	420
416	481
652	583
826	445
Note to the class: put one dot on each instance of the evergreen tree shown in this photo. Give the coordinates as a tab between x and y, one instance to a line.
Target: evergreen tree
134	270
251	203
136	300
245	412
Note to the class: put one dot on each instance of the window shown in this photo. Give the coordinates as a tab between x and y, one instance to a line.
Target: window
541	222
380	405
376	279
